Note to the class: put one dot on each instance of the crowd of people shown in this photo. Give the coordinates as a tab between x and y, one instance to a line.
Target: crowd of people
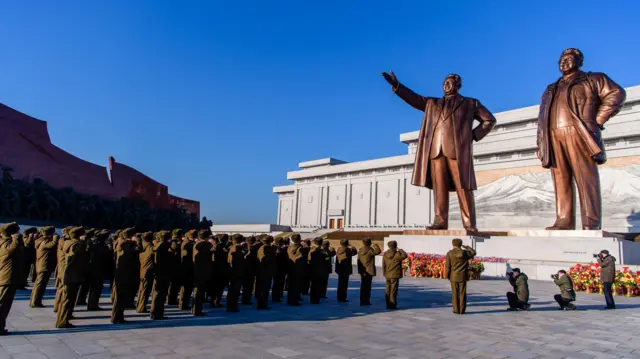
182	269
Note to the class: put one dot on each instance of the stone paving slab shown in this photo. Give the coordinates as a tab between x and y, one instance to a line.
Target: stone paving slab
423	327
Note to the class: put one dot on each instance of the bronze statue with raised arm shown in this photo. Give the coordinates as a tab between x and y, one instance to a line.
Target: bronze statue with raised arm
573	111
444	159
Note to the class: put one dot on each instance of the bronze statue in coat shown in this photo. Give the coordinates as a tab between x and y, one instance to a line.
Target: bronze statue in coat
444	159
573	112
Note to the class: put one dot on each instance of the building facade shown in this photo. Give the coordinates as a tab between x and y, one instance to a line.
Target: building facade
514	191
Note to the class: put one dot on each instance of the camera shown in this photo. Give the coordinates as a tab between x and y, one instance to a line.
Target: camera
509	274
596	255
554	276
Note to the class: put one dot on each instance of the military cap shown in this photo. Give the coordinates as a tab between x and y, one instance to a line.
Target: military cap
457	242
251	240
147	236
307	241
30	230
237	238
344	242
392	244
191	234
90	232
163	235
326	241
48	230
127	233
277	241
103	234
366	241
295	238
9	229
177	233
117	233
266	239
76	232
204	234
317	241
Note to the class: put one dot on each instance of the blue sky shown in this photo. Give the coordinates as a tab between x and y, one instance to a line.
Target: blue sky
219	99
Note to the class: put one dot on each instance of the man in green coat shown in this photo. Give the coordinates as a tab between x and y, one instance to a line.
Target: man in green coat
45	264
344	268
367	269
75	253
162	264
457	272
203	268
146	259
567	294
520	283
392	270
607	276
126	271
10	269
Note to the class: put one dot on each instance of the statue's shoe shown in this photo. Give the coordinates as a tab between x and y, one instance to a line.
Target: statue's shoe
556	227
438	227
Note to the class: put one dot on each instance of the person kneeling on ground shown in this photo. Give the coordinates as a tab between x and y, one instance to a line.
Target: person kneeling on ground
567	294
520	283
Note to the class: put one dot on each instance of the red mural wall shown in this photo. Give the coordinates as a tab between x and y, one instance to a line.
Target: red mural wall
25	146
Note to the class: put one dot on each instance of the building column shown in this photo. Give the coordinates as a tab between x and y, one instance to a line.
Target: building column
294	210
347	205
401	200
321	198
373	201
278	215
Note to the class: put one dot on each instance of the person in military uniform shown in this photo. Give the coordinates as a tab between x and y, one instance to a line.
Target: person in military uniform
125	274
10	269
567	294
111	265
331	252
60	268
519	298
367	269
186	269
45	264
162	265
344	268
83	291
297	264
29	254
146	257
221	269
305	279
267	268
317	259
281	262
73	276
392	270
176	278
203	266
457	272
250	269
99	260
237	261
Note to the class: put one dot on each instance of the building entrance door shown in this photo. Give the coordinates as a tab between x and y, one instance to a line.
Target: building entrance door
336	223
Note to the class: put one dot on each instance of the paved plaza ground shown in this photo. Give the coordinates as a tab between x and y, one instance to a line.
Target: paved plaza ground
424	327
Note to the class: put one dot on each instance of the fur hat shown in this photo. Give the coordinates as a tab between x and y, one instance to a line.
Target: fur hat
191	234
65	230
366	241
9	229
48	230
277	241
238	238
30	230
457	242
326	242
204	234
147	236
317	241
90	232
266	239
344	242
76	232
163	235
222	237
127	233
392	244
177	233
295	238
251	240
103	234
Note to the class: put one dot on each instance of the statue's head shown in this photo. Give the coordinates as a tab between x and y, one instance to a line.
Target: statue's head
570	61
452	84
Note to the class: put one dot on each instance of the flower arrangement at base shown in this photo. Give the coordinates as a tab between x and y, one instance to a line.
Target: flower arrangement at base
420	265
586	277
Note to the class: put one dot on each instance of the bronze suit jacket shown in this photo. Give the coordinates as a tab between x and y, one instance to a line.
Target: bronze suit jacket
593	98
465	111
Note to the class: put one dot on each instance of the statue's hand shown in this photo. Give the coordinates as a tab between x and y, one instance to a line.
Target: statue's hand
391	78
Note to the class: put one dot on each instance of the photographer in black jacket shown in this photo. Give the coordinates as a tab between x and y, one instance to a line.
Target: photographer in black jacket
607	275
567	294
520	283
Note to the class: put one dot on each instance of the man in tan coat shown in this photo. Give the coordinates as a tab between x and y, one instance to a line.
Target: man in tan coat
163	262
60	268
45	264
74	275
99	258
331	252
266	270
186	269
457	272
10	269
145	254
392	269
203	268
317	270
125	272
344	268
367	269
237	260
176	277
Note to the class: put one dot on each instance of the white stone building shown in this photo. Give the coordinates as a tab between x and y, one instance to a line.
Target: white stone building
514	191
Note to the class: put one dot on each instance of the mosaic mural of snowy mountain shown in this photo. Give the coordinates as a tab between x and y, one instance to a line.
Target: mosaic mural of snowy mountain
528	201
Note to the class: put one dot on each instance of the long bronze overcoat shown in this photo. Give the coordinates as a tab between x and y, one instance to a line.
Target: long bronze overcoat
593	98
465	110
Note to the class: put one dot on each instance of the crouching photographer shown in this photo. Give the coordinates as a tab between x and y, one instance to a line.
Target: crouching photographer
567	294
520	283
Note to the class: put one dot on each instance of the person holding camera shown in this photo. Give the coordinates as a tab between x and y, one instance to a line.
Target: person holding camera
607	275
567	294
520	283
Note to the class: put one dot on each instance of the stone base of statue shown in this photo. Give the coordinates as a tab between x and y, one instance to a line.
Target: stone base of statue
539	253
